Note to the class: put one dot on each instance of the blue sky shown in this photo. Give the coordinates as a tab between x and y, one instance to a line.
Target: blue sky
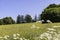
14	7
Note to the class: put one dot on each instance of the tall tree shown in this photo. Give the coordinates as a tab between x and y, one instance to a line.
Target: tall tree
22	19
35	19
28	18
39	17
18	19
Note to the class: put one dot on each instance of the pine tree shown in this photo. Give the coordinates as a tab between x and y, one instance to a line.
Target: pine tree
35	19
18	19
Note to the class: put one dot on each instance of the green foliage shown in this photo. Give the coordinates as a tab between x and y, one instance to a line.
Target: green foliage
1	22
51	13
20	19
13	21
8	20
28	18
53	6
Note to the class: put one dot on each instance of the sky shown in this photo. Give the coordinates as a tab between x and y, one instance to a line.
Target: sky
14	8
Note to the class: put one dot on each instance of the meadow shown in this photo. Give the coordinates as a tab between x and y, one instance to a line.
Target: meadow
30	31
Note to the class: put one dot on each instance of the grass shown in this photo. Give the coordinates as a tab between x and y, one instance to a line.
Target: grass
26	31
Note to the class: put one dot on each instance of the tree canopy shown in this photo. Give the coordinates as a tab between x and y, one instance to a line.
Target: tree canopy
28	18
52	12
8	20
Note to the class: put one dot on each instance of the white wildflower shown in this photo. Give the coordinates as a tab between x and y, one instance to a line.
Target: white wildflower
14	35
21	38
48	21
6	37
15	38
33	26
51	29
56	26
18	34
37	27
42	20
46	35
25	39
1	37
39	22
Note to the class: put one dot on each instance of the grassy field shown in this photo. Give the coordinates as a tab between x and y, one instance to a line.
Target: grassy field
30	31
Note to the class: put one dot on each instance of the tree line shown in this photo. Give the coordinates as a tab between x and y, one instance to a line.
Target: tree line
52	13
20	19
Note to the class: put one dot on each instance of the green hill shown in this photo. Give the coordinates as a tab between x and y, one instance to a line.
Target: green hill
30	31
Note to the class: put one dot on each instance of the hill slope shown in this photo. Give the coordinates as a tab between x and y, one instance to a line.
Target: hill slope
30	31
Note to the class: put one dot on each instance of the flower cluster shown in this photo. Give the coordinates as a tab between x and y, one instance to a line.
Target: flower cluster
15	37
34	27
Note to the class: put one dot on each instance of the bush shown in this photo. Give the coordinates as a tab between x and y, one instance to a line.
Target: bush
1	22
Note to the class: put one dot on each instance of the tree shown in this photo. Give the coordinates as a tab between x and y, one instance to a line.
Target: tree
22	19
13	21
28	18
52	6
8	20
18	19
39	18
1	22
52	13
35	19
